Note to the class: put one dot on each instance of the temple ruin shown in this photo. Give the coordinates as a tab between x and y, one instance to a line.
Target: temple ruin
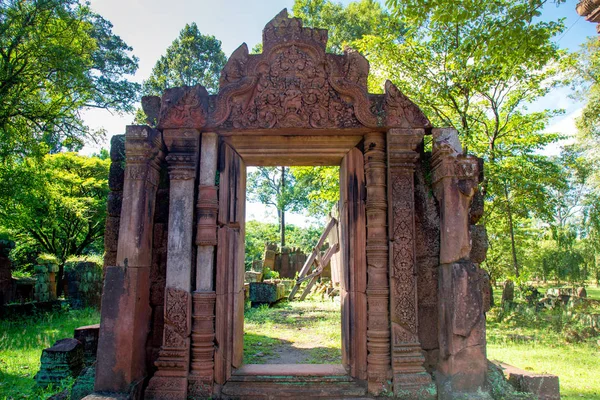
413	295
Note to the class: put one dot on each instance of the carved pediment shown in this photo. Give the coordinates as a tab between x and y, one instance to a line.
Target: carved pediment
400	111
183	107
293	83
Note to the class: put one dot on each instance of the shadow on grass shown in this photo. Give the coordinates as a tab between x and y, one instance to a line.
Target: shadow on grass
262	349
283	313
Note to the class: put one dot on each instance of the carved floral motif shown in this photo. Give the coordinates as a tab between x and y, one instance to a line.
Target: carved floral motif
402	270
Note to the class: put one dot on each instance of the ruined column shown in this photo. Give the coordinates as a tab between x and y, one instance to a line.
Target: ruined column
182	115
203	327
125	317
462	364
378	292
410	379
170	381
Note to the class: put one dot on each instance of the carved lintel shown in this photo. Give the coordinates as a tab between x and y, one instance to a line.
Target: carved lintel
409	375
170	381
208	205
201	375
378	331
400	111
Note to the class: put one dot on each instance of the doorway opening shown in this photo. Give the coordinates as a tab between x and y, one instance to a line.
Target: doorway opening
292	246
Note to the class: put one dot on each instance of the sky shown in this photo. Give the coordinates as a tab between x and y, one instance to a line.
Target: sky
149	27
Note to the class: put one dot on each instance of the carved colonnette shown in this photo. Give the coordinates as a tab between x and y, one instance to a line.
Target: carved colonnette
201	376
126	311
462	366
181	115
409	376
378	293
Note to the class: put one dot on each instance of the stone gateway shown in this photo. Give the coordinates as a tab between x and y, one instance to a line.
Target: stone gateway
413	296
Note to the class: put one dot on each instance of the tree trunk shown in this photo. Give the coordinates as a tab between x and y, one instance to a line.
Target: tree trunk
512	233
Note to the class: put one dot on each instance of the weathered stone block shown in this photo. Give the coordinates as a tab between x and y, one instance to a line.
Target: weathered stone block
117	148
476	210
114	203
543	386
84	385
266	293
64	359
479	243
116	177
88	336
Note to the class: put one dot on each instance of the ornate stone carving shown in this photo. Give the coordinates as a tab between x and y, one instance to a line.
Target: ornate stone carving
400	111
203	336
208	204
183	107
293	83
143	148
378	323
173	360
409	376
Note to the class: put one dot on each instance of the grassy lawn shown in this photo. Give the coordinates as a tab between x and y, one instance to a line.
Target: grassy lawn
593	292
21	345
548	342
298	332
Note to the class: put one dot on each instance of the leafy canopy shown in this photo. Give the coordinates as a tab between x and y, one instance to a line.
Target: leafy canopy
57	57
56	203
192	58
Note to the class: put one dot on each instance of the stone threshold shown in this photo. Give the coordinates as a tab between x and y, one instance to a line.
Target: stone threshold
274	381
291	370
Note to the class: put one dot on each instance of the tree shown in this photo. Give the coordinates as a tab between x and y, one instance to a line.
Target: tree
460	62
58	202
192	58
274	186
347	24
56	58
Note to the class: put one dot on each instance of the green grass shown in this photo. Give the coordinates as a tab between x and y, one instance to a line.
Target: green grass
593	292
311	328
21	345
548	342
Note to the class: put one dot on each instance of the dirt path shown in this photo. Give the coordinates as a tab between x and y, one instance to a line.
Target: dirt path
305	332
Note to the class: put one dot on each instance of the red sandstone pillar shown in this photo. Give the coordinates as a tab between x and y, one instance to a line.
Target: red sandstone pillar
378	291
171	379
462	363
125	318
410	379
201	377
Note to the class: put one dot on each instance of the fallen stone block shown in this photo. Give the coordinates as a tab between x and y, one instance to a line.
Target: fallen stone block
62	360
88	336
543	386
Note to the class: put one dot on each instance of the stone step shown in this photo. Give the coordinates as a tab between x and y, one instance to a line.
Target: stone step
274	381
295	390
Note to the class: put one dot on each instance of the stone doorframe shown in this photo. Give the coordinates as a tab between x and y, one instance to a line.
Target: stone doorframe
293	104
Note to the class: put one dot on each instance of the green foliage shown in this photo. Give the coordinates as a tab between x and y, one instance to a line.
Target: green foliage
347	24
57	58
56	204
192	58
320	186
